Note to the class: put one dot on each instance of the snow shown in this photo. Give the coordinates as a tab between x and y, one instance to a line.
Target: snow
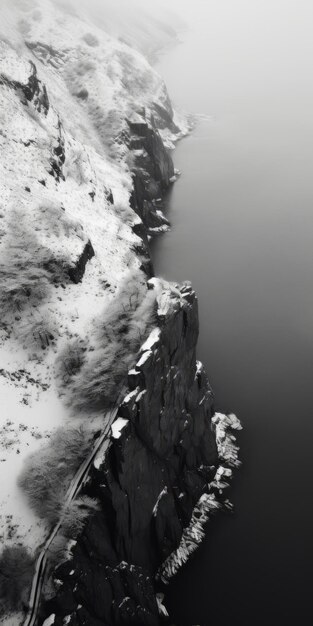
131	394
12	620
99	459
168	295
49	219
124	601
227	449
49	621
192	536
118	426
156	506
208	504
152	340
144	358
60	217
199	368
140	395
160	603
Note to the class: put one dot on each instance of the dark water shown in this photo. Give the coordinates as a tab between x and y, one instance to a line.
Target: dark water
242	216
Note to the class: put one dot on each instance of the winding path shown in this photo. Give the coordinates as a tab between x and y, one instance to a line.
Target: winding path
73	490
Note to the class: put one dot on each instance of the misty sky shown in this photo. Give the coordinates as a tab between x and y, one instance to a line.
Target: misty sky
269	31
238	25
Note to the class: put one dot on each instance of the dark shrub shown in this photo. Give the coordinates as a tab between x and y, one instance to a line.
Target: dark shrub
16	573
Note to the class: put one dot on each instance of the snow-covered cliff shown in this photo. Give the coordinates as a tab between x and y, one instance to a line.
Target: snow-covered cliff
85	133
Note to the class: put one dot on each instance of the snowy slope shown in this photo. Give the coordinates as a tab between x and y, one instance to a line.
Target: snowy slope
66	89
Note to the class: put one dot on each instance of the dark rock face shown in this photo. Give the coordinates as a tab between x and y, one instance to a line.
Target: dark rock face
164	116
153	172
45	52
154	473
76	273
58	156
148	483
33	91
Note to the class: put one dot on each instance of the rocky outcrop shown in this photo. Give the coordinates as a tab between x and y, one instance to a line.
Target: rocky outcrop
33	90
76	273
156	477
158	465
153	172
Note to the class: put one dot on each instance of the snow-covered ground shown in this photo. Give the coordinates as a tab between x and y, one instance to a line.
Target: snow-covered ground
64	183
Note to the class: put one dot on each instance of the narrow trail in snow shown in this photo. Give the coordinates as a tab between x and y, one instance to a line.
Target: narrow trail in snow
42	561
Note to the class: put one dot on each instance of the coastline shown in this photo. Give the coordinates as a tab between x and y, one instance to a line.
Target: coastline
147	499
129	416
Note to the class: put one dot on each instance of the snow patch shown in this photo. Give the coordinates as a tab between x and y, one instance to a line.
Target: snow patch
163	493
160	602
100	457
152	340
49	621
144	358
118	426
208	503
192	536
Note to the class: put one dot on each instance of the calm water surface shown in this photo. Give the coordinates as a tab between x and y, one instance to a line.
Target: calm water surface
242	216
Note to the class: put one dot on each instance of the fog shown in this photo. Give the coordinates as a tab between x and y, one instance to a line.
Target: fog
268	40
256	53
260	32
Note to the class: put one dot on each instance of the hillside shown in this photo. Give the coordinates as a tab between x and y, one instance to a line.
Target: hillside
86	132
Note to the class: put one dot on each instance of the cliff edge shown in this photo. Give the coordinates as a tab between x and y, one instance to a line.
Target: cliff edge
112	453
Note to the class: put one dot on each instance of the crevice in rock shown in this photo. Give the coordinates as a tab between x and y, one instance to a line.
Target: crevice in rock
77	272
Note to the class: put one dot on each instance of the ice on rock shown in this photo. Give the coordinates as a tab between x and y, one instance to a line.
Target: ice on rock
227	450
160	603
49	621
156	506
199	368
131	372
118	426
152	340
208	503
192	536
133	393
145	356
140	395
100	457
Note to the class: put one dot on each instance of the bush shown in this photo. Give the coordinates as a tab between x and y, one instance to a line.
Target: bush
125	213
71	360
28	268
118	335
49	471
16	573
91	40
109	124
75	514
57	553
74	518
37	334
135	79
22	282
